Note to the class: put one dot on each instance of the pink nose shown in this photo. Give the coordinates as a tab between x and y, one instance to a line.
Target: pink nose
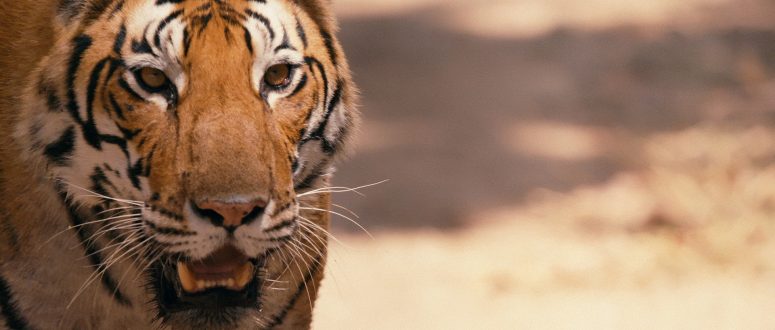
231	214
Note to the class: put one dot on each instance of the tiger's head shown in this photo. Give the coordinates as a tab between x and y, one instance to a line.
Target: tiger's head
202	127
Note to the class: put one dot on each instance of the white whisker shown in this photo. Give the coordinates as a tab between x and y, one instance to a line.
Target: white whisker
340	189
326	232
341	215
94	194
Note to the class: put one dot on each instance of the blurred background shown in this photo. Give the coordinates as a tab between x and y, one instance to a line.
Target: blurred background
558	164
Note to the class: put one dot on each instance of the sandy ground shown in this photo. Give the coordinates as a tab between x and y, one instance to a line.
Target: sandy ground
558	164
687	244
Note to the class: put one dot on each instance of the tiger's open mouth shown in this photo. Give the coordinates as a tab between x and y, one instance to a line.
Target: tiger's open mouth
226	268
224	280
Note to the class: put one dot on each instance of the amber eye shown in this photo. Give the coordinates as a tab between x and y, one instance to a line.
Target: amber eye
278	75
153	78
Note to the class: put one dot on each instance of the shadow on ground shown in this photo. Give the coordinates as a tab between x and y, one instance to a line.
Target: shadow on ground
441	108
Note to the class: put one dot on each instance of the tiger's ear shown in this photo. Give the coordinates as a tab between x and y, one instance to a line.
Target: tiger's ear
320	11
69	10
90	10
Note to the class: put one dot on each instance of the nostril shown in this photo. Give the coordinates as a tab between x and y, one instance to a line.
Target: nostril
230	215
212	215
253	214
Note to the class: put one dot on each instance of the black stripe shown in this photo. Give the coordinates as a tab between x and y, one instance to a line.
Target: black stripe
248	39
142	46
134	172
95	10
128	134
91	250
161	2
114	65
81	43
310	179
117	9
13	318
119	43
205	7
59	151
201	21
301	32
329	42
115	106
163	24
166	213
89	128
286	44
302	83
125	86
167	230
149	161
280	318
319	131
229	15
186	41
263	20
311	61
280	226
118	141
53	102
328	146
98	180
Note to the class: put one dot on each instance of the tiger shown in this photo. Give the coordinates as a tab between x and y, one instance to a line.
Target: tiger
168	163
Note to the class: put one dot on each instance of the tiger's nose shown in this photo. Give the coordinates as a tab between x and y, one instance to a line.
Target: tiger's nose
230	215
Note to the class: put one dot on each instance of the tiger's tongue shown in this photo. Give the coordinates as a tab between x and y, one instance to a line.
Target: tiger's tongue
227	267
223	261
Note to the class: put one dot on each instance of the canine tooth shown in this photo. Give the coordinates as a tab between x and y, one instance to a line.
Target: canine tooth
230	282
187	279
200	284
243	275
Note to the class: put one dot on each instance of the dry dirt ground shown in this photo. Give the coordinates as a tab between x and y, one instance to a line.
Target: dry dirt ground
558	164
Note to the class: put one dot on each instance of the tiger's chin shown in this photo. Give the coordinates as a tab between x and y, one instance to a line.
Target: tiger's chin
218	291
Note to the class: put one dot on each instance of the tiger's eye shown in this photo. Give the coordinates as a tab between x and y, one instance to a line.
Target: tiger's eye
153	78
278	75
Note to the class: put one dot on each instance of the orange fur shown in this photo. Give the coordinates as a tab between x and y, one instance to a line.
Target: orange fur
222	138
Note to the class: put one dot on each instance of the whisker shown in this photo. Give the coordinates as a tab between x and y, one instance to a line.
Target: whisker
120	208
97	273
316	226
94	194
71	227
341	215
108	246
312	234
340	189
293	247
346	209
127	224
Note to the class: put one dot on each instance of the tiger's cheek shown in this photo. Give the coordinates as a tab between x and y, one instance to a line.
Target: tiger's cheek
293	114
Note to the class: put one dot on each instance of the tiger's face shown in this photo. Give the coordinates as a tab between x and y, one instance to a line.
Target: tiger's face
211	118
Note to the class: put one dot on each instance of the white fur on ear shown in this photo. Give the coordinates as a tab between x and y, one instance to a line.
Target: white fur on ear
69	9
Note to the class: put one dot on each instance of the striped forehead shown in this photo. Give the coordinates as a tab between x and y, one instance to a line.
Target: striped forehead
163	29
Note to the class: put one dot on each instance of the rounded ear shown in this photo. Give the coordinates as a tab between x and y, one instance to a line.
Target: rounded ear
69	9
90	10
320	11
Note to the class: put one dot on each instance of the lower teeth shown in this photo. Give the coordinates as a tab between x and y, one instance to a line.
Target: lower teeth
239	280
